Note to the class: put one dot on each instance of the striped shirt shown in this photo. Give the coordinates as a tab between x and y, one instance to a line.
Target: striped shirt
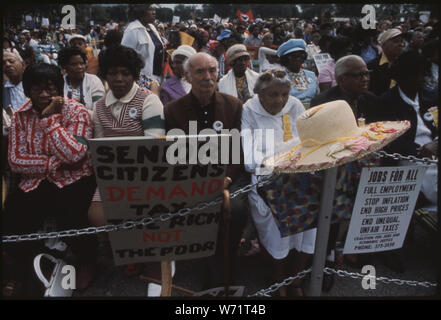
38	147
138	113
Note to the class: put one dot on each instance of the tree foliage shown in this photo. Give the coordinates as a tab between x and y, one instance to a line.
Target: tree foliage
101	14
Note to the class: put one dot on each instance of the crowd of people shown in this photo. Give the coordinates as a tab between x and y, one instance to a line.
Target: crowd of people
62	87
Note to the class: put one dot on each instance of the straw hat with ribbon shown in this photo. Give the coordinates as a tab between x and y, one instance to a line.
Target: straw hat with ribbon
329	136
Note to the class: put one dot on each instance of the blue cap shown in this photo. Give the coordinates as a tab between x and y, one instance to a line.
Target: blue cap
291	46
225	33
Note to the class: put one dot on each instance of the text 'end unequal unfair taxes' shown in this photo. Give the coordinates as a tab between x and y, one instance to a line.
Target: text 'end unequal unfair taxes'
383	208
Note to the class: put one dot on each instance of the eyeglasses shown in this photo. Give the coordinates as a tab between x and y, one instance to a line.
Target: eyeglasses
360	75
276	73
298	56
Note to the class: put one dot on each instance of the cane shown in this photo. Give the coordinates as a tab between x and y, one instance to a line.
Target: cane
226	211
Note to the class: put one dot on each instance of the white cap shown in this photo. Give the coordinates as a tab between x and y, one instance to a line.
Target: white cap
76	36
389	34
183	50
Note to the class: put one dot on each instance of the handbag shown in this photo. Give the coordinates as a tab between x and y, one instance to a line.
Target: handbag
54	285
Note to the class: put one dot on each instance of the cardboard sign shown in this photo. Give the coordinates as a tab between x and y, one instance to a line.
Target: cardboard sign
136	181
321	59
176	19
424	16
45	22
217	19
384	205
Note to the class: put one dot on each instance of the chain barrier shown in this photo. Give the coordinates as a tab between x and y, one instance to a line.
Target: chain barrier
397	156
341	273
132	224
276	286
182	212
185	211
354	275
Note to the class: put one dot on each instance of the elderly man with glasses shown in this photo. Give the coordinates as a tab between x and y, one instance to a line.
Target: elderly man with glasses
352	78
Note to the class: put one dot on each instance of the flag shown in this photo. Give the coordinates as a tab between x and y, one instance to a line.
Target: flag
167	71
186	38
245	16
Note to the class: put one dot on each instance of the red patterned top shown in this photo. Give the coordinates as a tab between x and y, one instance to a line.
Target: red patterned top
38	147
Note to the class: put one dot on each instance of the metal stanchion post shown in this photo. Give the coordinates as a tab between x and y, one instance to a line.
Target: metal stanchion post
324	223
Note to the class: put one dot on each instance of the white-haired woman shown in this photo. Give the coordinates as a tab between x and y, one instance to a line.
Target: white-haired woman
177	86
274	110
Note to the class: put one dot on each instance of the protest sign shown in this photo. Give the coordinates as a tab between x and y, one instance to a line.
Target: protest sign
384	205
424	16
45	22
321	59
217	19
176	19
136	181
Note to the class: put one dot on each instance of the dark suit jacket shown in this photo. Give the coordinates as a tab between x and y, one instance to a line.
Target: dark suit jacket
171	90
395	109
380	77
228	110
367	103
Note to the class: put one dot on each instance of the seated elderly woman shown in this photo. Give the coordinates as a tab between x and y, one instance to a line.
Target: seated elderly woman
84	87
46	147
292	55
177	86
126	110
274	110
239	81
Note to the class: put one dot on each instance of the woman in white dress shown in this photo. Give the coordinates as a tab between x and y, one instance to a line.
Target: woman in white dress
274	110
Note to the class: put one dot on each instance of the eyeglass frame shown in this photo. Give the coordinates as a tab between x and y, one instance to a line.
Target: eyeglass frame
359	75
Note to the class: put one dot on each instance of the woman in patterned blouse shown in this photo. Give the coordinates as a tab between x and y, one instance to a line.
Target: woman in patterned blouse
47	147
292	55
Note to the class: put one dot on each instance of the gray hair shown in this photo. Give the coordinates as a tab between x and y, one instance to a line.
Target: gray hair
187	63
342	66
267	79
15	54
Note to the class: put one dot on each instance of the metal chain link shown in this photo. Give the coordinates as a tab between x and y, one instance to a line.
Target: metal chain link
341	273
354	275
182	212
397	156
132	224
276	286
